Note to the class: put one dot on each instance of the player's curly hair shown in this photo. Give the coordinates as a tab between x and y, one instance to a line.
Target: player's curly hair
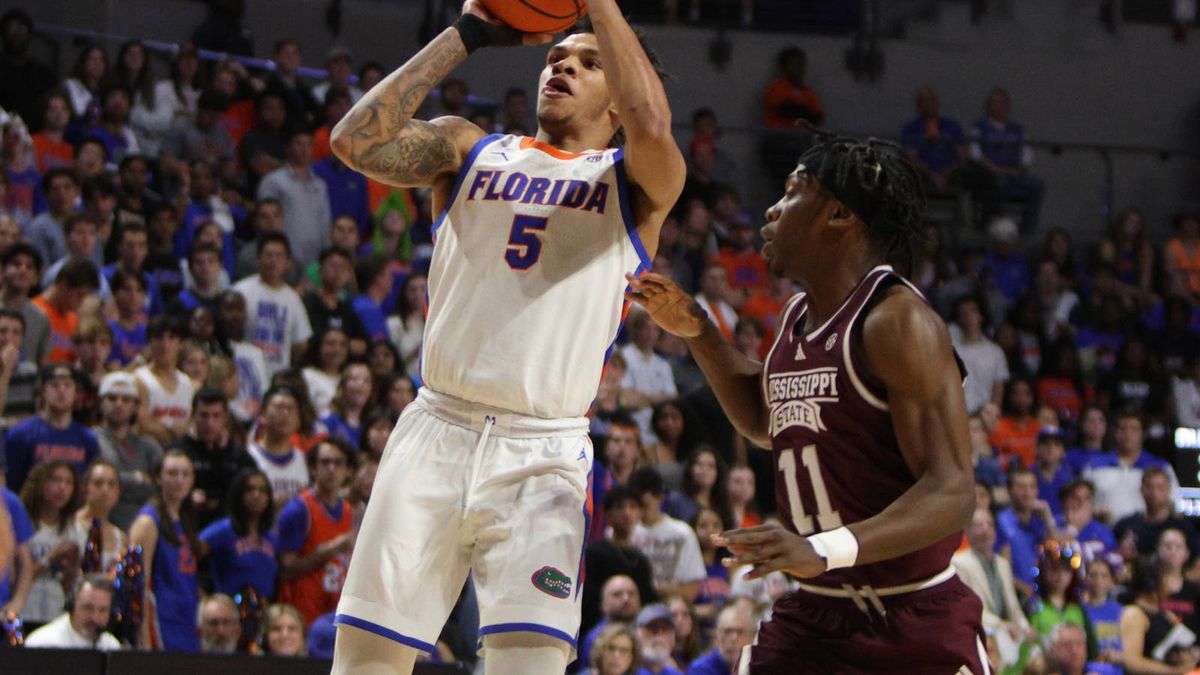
874	180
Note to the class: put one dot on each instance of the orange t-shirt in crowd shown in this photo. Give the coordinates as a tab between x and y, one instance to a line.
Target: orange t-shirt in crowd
746	271
321	148
1060	394
318	590
52	154
62	327
1013	438
782	91
238	119
1188	263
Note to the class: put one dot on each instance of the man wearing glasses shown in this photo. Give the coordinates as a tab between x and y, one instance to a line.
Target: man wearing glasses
316	534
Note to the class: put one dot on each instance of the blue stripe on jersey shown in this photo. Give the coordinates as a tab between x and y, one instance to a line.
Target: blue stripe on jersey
627	211
462	176
524	627
382	631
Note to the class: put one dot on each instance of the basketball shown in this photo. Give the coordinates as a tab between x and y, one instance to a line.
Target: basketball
537	16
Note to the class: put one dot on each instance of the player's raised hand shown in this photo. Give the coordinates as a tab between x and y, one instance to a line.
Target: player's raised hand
770	548
673	310
500	34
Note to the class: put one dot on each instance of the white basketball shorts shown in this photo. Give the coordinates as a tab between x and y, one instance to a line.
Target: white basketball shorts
464	488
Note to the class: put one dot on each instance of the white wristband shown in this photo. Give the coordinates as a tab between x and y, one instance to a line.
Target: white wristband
838	547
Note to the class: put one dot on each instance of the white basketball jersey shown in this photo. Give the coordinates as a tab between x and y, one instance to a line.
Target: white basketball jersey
526	286
168	407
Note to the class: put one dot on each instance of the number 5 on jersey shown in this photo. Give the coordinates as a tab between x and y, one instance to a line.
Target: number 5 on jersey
524	245
827	518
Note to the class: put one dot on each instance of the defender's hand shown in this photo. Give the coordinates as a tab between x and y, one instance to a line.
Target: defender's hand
672	309
501	34
770	548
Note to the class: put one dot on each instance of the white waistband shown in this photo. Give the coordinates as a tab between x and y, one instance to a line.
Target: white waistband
853	592
476	416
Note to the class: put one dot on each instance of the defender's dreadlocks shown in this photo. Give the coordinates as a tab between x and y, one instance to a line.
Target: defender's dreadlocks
874	181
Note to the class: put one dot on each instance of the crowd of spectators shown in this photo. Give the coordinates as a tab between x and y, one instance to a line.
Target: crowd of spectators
209	326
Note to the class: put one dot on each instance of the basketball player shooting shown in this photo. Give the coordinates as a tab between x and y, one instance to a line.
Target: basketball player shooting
861	401
488	470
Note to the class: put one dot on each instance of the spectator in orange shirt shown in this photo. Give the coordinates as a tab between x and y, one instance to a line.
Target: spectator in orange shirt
50	149
744	266
75	281
238	117
788	99
337	103
1015	436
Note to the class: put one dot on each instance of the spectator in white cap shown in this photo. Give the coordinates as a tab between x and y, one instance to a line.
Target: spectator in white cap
1007	268
134	455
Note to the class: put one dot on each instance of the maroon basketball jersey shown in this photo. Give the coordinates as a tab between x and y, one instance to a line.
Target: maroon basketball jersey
836	453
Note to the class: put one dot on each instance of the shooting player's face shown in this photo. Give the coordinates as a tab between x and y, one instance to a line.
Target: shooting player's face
572	88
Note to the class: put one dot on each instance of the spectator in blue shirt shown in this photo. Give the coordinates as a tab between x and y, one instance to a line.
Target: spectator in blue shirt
13	594
133	245
735	630
1103	612
112	129
51	434
1052	473
1006	269
347	188
935	145
241	547
1025	524
349	406
1078	523
1002	159
374	285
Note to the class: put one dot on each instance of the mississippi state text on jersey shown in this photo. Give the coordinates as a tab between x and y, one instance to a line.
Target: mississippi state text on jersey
837	455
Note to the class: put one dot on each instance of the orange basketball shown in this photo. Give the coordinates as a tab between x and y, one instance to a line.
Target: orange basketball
537	16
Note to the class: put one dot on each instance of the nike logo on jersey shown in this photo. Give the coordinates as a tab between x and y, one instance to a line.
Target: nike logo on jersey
518	187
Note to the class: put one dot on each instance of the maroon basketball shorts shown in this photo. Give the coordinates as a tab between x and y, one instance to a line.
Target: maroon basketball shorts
927	632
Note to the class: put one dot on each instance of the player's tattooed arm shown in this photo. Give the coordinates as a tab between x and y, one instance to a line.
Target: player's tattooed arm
379	136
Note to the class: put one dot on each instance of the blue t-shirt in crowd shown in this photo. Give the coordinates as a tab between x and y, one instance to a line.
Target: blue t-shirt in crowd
988	470
241	561
340	428
116	146
938	152
176	593
1048	489
127	342
25	192
1106	624
1001	144
22	532
34	441
1023	540
372	317
347	191
1077	458
1010	274
153	304
709	664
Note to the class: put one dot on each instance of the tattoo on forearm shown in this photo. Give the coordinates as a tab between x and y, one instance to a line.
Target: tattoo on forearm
385	141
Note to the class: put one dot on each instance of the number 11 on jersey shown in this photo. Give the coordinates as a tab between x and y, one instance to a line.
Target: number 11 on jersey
827	518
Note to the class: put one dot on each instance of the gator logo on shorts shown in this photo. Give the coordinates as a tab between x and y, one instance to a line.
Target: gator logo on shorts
552	582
